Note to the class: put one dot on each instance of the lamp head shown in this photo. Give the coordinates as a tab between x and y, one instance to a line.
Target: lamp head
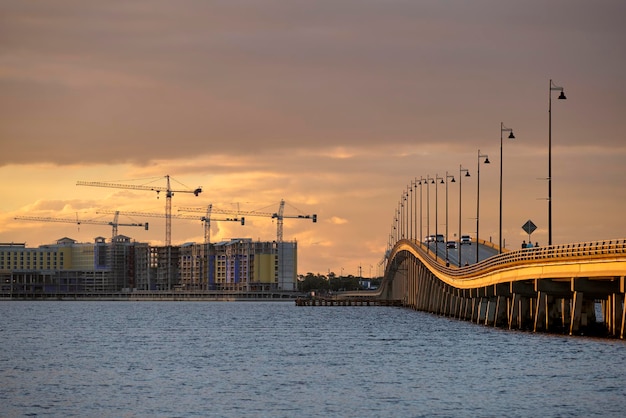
432	181
467	174
453	180
441	182
487	160
511	136
562	96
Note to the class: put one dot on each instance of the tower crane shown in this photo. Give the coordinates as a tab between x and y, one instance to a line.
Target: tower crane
206	220
114	224
168	198
279	216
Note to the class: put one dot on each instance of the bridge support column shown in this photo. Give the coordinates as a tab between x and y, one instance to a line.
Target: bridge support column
482	310
430	290
541	312
440	300
565	314
475	308
616	314
447	301
467	307
577	305
454	307
501	311
621	333
490	311
514	309
606	313
459	305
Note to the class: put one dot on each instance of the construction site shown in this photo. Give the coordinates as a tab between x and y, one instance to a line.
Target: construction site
122	266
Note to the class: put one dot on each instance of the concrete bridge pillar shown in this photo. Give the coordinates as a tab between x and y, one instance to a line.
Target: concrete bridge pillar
541	312
501	311
577	306
481	311
490	311
514	309
615	314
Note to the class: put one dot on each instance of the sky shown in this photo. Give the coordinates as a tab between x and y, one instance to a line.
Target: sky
334	106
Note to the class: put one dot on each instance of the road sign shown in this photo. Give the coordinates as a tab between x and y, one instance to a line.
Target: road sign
529	227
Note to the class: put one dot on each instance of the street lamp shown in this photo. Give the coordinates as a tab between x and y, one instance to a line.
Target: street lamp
414	197
421	182
553	87
411	211
451	181
429	181
511	136
467	174
436	214
404	215
396	227
478	196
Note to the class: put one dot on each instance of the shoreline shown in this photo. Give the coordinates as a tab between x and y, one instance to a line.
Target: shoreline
168	296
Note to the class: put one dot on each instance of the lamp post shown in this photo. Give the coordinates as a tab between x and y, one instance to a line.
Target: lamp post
486	157
421	182
407	214
511	136
451	181
429	180
467	174
400	218
397	226
411	211
553	87
404	216
414	195
436	214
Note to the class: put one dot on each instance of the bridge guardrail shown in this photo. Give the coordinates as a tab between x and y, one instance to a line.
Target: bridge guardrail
576	251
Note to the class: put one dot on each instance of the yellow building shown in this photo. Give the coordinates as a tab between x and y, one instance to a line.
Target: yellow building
68	266
238	264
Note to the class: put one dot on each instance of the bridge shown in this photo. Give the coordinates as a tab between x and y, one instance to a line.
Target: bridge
552	289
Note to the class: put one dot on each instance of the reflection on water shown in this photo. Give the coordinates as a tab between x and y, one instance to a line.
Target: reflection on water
249	359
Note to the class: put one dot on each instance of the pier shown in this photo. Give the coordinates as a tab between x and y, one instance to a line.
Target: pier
336	301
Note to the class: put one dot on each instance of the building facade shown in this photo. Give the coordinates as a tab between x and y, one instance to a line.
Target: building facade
124	265
71	267
239	264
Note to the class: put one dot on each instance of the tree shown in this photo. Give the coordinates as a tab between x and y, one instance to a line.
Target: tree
313	282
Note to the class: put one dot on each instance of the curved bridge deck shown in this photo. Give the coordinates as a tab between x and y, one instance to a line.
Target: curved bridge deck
552	289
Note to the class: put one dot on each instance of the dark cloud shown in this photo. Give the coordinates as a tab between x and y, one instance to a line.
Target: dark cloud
137	81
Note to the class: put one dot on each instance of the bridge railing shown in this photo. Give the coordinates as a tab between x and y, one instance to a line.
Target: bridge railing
576	251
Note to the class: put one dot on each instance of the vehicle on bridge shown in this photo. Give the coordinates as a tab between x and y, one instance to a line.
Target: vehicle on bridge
466	239
435	238
451	244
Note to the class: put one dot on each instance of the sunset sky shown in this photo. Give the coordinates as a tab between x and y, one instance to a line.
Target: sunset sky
334	106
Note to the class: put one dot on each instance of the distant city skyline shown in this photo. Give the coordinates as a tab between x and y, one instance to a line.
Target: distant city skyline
335	107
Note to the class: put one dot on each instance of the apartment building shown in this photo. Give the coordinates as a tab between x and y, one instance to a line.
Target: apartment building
124	265
68	266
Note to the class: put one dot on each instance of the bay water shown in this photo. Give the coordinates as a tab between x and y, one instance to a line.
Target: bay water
273	359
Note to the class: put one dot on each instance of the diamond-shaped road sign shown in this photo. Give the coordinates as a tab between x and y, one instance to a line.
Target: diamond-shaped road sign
529	227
